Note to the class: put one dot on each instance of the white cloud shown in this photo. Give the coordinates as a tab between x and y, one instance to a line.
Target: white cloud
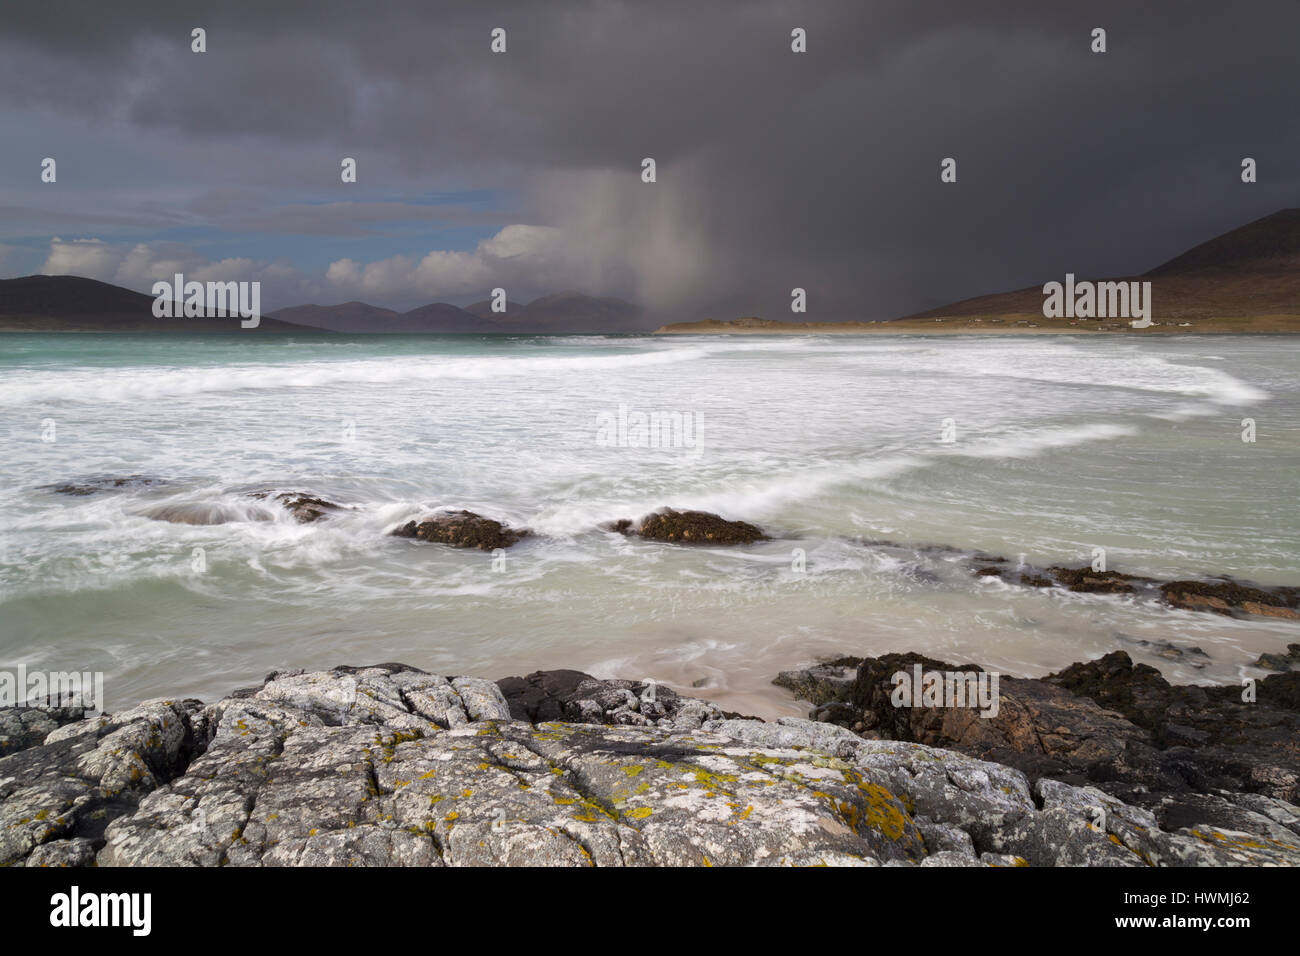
138	266
519	256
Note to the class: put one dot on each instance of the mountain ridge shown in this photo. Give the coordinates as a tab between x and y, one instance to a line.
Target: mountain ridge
43	303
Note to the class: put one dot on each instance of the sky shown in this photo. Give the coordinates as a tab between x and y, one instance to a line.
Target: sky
523	170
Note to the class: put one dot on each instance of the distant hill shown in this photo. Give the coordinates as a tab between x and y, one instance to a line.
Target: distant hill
358	317
1250	271
566	312
75	304
1246	280
1267	245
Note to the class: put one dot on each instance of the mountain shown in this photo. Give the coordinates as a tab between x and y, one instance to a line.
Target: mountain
75	304
358	317
566	312
1267	245
1248	272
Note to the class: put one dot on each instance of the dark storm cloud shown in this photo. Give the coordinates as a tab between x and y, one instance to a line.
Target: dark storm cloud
775	169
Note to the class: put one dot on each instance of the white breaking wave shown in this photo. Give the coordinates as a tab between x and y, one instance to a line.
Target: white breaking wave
148	383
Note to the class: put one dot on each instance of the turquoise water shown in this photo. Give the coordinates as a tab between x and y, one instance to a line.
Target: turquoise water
1062	445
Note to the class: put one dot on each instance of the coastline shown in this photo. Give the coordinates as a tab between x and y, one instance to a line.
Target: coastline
1013	324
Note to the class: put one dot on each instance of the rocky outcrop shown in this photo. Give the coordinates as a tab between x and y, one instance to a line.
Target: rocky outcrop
1189	755
389	765
690	527
462	529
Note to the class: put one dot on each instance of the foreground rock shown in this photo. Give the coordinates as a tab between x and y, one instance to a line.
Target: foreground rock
1193	757
690	527
388	765
462	529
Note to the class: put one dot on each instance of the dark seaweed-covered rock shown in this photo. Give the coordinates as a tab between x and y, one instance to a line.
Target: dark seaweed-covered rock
1222	595
691	527
1106	723
1226	596
462	529
1088	581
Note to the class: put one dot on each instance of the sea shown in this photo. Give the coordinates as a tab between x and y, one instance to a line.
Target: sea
878	465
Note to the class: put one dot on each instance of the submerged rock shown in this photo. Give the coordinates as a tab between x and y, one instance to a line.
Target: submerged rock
690	527
389	765
211	513
1290	661
305	508
462	529
95	484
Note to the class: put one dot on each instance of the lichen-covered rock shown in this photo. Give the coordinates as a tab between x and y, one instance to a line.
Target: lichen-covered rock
462	529
387	765
89	772
26	726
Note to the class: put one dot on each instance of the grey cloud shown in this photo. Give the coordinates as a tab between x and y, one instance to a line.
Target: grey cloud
359	218
776	169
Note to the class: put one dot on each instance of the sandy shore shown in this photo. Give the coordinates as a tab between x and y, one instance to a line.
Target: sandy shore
1015	324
